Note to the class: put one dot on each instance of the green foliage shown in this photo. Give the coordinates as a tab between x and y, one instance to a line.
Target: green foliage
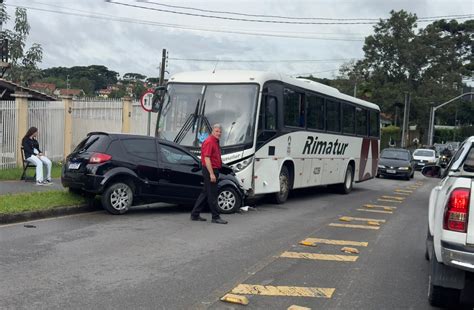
455	134
390	133
15	173
24	61
134	77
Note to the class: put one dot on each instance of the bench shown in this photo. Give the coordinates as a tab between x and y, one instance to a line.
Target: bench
26	165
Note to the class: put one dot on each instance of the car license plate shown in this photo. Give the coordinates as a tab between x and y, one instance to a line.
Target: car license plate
74	166
391	171
421	164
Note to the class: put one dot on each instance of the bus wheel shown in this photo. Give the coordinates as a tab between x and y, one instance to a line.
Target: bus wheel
282	195
346	186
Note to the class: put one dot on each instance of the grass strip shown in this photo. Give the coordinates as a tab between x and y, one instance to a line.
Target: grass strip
15	173
18	203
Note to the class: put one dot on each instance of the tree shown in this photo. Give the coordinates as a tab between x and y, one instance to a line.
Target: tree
24	61
134	77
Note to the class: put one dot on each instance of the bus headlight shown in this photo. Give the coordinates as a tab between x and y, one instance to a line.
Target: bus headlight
241	165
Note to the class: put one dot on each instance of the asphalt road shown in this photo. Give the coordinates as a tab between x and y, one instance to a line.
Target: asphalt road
156	258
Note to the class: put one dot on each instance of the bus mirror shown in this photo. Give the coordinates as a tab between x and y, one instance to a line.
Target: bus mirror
158	97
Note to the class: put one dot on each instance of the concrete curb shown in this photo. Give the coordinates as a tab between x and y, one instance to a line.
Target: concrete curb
41	214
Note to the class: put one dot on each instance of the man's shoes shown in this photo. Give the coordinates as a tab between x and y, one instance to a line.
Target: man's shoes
219	221
198	218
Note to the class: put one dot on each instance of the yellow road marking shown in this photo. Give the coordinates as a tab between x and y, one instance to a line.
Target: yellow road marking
389	200
375	211
316	256
353	226
403	194
296	307
336	242
295	291
404	191
373	223
350	218
394	197
379	206
235	299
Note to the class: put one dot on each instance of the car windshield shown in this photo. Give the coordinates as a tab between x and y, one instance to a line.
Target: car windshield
424	153
394	154
191	109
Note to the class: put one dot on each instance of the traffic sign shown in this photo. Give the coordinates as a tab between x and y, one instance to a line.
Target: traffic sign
146	100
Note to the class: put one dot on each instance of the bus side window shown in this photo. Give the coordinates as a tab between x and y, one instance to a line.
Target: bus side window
374	123
267	122
361	122
315	112
333	116
348	115
294	109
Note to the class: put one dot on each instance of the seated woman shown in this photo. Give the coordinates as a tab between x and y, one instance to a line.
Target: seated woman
34	155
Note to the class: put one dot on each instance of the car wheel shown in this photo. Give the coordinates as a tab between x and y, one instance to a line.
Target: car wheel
346	187
377	175
117	198
439	296
228	200
282	195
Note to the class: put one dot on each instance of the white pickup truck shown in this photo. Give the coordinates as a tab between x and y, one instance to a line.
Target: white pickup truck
450	239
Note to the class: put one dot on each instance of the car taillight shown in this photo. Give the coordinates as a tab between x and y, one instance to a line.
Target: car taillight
98	158
457	210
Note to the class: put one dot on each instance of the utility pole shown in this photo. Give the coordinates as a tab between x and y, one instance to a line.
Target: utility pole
164	61
405	120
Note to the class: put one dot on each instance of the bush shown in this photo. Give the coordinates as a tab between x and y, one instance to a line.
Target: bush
392	132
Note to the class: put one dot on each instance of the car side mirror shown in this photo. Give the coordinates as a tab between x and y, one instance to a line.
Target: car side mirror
431	171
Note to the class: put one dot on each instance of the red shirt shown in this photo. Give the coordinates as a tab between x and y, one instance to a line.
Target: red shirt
210	148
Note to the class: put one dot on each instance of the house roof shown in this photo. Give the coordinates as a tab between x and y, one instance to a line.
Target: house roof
49	86
7	88
70	92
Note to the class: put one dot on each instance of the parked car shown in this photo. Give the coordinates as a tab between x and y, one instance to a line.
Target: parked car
422	157
395	163
450	238
125	168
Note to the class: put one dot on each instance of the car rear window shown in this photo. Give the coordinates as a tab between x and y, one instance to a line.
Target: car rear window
426	153
469	162
93	143
395	154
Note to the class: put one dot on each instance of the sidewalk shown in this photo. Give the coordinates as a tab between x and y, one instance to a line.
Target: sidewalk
15	187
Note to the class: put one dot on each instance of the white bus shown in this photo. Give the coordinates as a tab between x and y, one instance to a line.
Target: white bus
279	133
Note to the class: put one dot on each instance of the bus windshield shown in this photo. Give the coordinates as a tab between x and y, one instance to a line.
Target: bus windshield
191	109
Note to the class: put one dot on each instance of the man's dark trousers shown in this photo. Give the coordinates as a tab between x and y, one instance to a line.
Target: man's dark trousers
209	194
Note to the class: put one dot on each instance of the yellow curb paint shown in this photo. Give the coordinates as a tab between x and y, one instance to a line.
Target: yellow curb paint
350	250
294	291
336	242
295	307
353	226
235	299
316	256
379	206
375	211
389	200
394	197
350	218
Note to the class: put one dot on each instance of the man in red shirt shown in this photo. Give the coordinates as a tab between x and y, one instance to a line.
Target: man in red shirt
211	163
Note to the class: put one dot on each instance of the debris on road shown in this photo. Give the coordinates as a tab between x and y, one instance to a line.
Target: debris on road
307	243
350	250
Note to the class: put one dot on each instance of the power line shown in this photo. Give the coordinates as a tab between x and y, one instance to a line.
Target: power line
285	17
259	20
184	27
260	61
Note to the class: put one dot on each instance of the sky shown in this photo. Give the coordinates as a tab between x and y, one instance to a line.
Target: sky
131	39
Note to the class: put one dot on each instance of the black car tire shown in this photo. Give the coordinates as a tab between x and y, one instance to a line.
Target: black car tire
228	200
439	296
281	196
346	186
117	198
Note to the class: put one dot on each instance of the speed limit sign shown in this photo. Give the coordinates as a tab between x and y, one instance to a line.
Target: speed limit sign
146	100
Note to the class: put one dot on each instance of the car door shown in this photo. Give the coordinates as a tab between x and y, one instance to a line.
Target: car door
142	157
181	173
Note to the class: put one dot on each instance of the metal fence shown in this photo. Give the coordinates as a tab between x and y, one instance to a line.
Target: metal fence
8	134
48	117
95	115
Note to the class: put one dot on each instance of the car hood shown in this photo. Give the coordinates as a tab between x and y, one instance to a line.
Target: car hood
394	162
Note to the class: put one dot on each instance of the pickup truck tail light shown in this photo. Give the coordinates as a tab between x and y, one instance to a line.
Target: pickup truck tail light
98	158
457	210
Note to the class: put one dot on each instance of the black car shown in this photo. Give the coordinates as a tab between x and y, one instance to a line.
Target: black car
396	163
125	168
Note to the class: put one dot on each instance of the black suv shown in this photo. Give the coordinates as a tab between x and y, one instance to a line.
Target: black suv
125	168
